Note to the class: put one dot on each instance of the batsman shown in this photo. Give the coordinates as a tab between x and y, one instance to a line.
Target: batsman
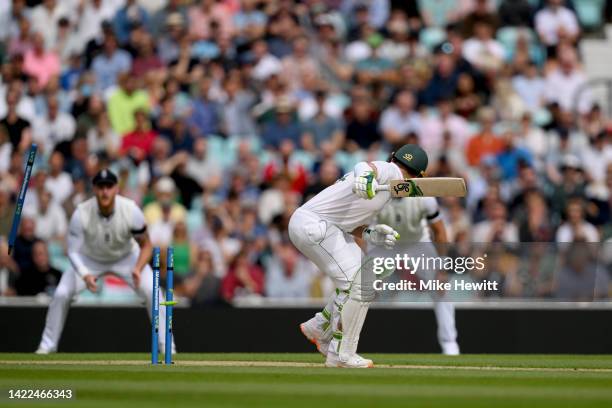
107	235
324	230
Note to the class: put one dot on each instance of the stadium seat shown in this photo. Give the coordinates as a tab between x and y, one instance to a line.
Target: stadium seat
590	13
57	259
429	37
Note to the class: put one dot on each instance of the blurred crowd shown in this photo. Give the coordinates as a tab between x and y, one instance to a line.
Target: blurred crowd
222	116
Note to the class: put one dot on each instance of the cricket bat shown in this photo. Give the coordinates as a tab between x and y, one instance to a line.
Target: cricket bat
426	187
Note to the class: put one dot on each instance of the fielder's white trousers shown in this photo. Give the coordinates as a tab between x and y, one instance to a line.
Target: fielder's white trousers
71	283
444	310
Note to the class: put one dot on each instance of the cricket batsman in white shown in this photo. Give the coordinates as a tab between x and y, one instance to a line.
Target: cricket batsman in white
107	234
324	230
413	219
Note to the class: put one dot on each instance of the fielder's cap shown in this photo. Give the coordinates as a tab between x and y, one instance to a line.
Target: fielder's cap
412	157
105	176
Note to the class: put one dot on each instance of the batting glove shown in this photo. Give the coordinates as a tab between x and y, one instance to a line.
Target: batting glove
381	234
365	185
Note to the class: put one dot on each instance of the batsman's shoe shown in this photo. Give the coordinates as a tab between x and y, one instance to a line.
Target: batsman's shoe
450	348
315	334
354	361
43	351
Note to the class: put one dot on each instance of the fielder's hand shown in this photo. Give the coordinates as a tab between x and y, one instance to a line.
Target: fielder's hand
381	234
90	281
365	185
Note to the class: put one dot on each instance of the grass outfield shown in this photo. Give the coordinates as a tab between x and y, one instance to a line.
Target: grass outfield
299	380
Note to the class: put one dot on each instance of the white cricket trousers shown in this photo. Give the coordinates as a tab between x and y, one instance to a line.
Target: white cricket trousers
332	250
71	284
443	309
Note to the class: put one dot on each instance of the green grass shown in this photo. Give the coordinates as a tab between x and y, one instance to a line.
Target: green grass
465	381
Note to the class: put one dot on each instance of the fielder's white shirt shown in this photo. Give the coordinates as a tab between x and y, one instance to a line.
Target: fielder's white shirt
410	217
104	239
338	204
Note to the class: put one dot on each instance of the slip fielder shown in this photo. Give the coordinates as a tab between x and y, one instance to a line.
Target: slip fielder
107	234
324	230
414	218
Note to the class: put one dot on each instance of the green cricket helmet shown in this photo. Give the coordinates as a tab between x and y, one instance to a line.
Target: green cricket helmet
413	158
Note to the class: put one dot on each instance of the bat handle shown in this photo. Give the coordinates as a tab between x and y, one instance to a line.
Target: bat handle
382	187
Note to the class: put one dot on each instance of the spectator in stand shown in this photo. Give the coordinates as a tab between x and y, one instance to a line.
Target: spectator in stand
7	209
58	182
17	128
146	60
321	128
110	64
21	42
165	192
576	228
434	127
399	120
40	63
41	277
563	83
597	156
362	127
138	144
496	227
124	102
482	50
264	63
443	82
201	286
205	113
45	16
299	64
534	222
288	274
128	17
554	24
236	118
90	18
243	279
202	15
283	127
531	87
54	128
50	219
24	244
249	22
486	141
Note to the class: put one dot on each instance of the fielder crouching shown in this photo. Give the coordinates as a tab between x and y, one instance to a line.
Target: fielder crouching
324	230
107	234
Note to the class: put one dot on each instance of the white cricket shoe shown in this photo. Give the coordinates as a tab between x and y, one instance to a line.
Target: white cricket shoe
314	334
354	361
450	348
43	351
